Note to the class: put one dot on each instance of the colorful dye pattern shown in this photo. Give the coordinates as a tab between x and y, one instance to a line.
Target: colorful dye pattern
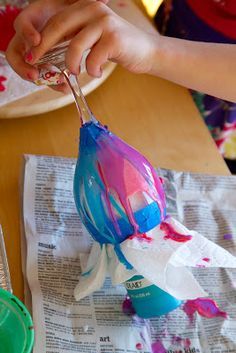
117	191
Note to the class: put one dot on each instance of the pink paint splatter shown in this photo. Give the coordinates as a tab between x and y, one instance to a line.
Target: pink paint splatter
2	87
228	236
179	341
176	340
141	237
127	307
139	346
157	347
187	343
205	307
201	266
206	259
170	233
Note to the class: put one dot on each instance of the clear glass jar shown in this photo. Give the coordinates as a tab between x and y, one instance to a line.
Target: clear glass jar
53	71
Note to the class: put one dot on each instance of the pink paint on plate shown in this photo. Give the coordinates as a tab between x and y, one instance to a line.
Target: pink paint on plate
2	87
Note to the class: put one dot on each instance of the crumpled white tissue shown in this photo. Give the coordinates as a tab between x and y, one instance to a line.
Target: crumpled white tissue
162	261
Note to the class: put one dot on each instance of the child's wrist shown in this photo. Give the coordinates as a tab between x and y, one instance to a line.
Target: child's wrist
157	55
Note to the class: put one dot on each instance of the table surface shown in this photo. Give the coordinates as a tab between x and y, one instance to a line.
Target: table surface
155	116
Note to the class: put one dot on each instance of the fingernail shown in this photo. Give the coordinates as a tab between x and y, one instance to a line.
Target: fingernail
28	57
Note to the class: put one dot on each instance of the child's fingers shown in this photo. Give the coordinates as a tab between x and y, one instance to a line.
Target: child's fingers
98	56
26	29
15	57
83	41
30	22
66	22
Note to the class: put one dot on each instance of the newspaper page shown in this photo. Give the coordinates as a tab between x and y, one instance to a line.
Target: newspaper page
57	247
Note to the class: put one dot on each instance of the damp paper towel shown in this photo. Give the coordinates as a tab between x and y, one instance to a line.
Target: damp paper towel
162	259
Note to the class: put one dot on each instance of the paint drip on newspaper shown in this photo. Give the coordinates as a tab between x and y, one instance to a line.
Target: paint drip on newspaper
121	201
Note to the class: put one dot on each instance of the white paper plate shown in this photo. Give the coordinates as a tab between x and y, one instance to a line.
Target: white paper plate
47	99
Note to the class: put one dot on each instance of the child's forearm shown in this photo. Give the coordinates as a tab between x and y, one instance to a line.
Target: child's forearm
206	67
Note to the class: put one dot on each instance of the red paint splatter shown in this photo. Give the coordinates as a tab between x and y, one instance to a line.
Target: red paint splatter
205	307
2	87
157	347
140	236
7	18
139	346
206	259
170	233
127	307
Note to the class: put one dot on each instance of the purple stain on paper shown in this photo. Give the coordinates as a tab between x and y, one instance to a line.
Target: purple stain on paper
228	236
127	307
205	307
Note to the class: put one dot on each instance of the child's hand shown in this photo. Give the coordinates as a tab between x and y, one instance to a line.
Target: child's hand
28	26
91	24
